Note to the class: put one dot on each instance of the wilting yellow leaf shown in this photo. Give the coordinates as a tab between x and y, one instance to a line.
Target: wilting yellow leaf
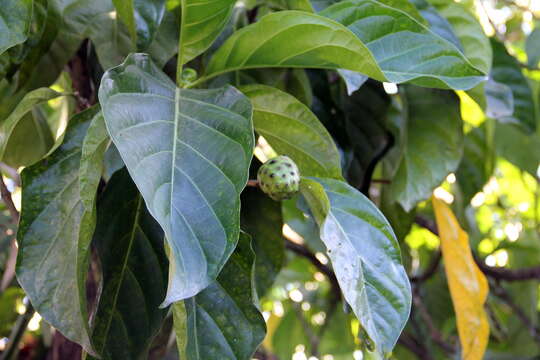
468	285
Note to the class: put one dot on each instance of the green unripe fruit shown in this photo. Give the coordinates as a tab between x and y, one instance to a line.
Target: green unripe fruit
188	76
279	178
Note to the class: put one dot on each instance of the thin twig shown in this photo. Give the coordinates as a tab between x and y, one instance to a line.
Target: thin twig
370	169
9	269
415	346
313	338
306	253
17	333
252	183
433	331
501	293
12	173
504	274
381	181
6	198
430	270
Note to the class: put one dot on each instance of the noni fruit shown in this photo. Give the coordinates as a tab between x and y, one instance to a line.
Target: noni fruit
279	178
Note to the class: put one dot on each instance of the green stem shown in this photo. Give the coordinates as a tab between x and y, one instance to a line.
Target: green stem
180	57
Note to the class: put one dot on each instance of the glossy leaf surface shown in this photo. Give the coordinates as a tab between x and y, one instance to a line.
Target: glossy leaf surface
366	259
231	328
468	285
130	247
384	55
293	130
197	144
404	48
54	236
202	22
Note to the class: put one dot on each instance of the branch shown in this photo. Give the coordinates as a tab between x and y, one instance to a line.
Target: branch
501	293
80	77
430	270
414	346
368	174
326	270
17	333
497	273
252	183
504	274
433	331
6	198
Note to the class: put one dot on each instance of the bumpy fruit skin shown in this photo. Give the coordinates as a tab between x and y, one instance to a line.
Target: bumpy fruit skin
279	178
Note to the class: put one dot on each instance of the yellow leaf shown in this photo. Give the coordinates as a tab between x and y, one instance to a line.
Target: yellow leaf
468	285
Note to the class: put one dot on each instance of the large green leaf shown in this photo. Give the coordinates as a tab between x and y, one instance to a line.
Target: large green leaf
15	16
231	328
130	247
142	18
532	46
380	51
21	110
54	236
366	258
202	22
431	144
476	46
261	218
506	70
405	49
189	152
293	130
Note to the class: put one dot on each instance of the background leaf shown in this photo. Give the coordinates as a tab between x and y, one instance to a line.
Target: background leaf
142	18
477	164
431	146
202	22
18	114
293	130
54	236
468	285
130	248
506	70
520	149
15	18
474	41
261	216
532	46
233	327
197	144
366	258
